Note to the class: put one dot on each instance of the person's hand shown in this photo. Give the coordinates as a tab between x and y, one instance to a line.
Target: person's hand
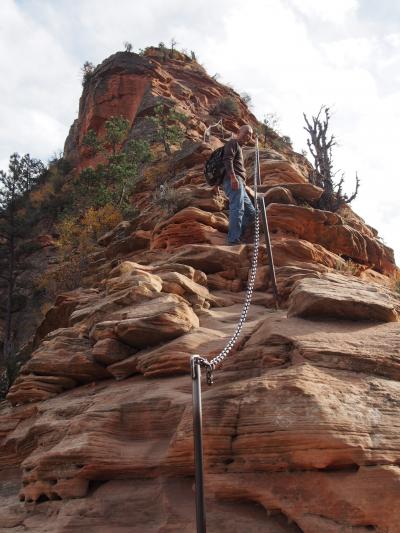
234	183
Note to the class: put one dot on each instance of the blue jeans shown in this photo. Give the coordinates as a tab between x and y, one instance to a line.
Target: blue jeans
241	210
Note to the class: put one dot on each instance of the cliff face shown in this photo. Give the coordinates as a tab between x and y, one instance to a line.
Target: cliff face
129	85
300	427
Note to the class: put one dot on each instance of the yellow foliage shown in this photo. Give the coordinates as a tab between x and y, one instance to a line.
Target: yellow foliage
38	196
66	277
81	233
98	221
77	239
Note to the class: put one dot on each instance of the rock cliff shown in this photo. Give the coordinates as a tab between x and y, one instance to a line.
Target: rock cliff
300	427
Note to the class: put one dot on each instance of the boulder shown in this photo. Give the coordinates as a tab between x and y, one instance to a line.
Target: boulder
147	324
173	357
334	295
138	240
330	230
109	351
211	259
279	195
188	226
302	192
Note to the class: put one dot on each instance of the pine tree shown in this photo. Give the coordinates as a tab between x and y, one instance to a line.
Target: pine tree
14	184
114	181
167	124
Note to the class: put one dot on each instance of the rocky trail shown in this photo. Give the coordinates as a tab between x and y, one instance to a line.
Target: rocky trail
301	427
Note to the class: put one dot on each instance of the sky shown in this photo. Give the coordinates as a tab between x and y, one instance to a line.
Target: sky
291	56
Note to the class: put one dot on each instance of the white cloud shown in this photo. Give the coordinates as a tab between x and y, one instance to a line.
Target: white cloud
290	55
393	39
326	11
349	52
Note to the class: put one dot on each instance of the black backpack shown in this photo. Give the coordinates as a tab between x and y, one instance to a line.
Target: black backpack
214	169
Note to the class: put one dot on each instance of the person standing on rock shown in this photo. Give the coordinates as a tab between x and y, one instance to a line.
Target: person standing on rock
241	209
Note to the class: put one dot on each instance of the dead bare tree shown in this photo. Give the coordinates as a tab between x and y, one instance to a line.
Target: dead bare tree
320	145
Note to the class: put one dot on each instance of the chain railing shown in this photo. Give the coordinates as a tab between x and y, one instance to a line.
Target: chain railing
213	363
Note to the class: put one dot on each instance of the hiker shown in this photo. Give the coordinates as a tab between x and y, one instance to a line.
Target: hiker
241	209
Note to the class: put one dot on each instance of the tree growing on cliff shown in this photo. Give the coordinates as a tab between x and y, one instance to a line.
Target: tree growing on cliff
226	106
22	174
87	72
320	145
77	242
172	48
114	181
168	126
128	46
269	126
164	51
246	98
116	131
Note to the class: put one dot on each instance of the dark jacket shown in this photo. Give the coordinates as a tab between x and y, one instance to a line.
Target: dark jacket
233	159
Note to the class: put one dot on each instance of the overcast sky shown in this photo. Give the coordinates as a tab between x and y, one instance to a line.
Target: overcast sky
289	55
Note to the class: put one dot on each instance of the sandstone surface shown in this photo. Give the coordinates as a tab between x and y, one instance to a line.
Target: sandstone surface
301	427
335	295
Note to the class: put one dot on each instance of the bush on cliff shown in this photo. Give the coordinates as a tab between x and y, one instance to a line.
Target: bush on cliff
168	125
76	243
114	181
226	106
87	72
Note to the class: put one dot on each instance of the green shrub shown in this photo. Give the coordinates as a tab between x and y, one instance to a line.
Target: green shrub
87	72
168	126
114	181
246	99
227	106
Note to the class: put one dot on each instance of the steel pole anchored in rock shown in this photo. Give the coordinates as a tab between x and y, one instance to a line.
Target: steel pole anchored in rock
267	237
197	361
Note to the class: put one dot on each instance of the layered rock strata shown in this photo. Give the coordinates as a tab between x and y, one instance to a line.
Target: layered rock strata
300	427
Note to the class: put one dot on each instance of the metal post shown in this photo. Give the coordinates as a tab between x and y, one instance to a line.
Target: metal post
198	444
261	204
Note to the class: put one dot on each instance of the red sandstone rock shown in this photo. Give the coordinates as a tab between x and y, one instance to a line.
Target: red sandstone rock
109	351
136	241
329	230
161	319
63	353
300	427
58	316
334	295
190	226
279	195
127	85
279	172
205	198
211	259
303	192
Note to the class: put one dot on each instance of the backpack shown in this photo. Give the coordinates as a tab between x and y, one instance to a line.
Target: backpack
214	169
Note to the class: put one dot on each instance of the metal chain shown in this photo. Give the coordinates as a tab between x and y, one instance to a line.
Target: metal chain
210	365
